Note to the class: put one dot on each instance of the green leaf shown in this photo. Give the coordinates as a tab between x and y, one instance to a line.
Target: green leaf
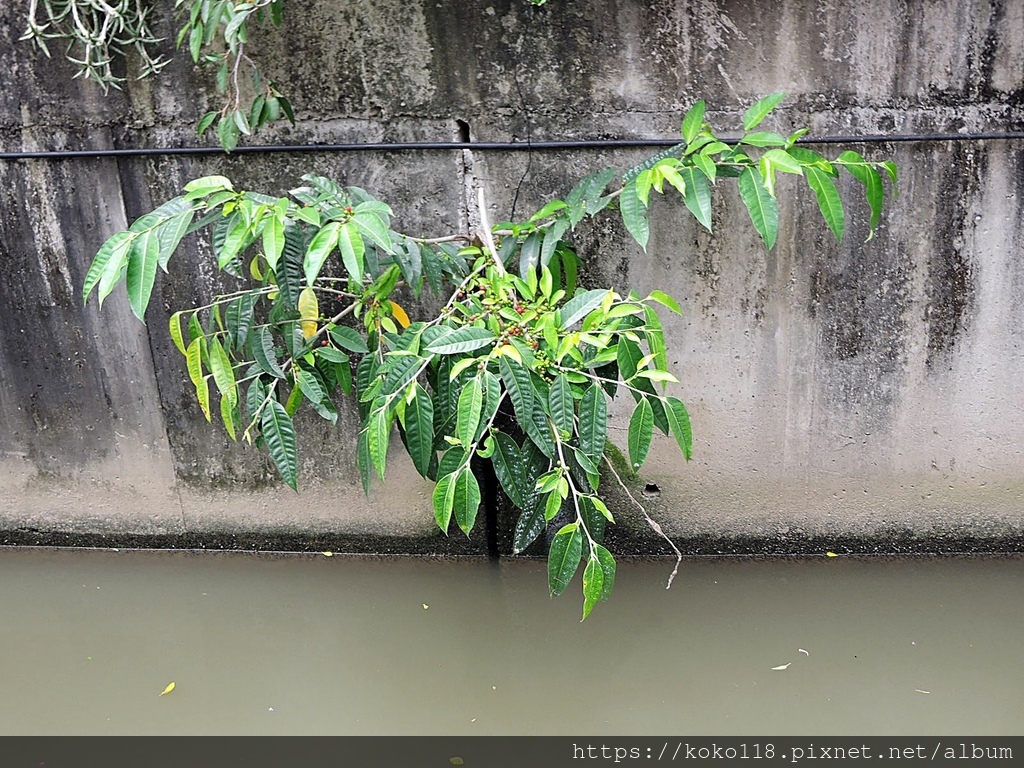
634	214
459	340
509	467
608	567
666	301
364	462
552	237
309	385
113	254
142	262
378	429
353	249
764	139
273	241
529	255
761	206
593	422
829	203
205	122
890	168
679	422
227	133
220	366
319	249
693	122
655	338
419	430
551	208
593	585
348	338
519	388
579	306
207	185
564	557
641	430
263	351
560	404
707	166
872	182
279	433
529	526
170	233
175	328
698	195
371	224
588	195
471	400
444	501
760	109
227	415
466	499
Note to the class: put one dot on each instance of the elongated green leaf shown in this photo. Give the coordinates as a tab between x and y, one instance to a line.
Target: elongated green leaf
273	241
655	337
319	249
579	306
529	526
113	254
706	165
693	122
444	501
169	235
419	430
220	366
560	404
872	182
310	387
529	254
466	499
519	388
698	195
459	340
760	205
509	468
679	421
279	433
593	585
593	422
237	235
353	251
829	203
641	430
666	301
588	194
373	226
634	214
176	337
348	338
764	139
227	415
467	418
263	352
378	428
239	320
564	557
207	185
608	567
364	462
552	237
760	109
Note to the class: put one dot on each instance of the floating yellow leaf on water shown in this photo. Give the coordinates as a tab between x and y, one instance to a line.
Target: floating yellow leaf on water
399	314
456	761
918	690
328	553
168	689
425	606
309	311
779	669
831	554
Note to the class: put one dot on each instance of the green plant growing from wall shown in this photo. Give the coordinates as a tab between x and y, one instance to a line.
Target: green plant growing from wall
517	368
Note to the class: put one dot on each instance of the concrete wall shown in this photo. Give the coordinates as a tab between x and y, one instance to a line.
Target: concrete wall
865	395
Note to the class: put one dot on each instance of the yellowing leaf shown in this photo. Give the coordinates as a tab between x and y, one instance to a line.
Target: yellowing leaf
456	761
168	689
399	314
327	554
831	554
309	311
425	606
779	669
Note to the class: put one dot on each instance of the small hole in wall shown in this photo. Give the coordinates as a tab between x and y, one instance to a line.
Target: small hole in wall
463	131
652	489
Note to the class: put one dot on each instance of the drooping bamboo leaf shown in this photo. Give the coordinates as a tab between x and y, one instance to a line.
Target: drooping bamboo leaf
564	557
593	422
693	121
459	340
593	585
419	430
760	205
829	203
697	195
279	433
679	421
560	404
641	430
760	109
634	214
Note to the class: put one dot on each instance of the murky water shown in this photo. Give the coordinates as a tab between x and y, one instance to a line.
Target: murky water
317	645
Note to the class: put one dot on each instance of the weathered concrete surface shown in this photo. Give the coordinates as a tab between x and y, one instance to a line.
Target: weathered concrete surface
866	392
